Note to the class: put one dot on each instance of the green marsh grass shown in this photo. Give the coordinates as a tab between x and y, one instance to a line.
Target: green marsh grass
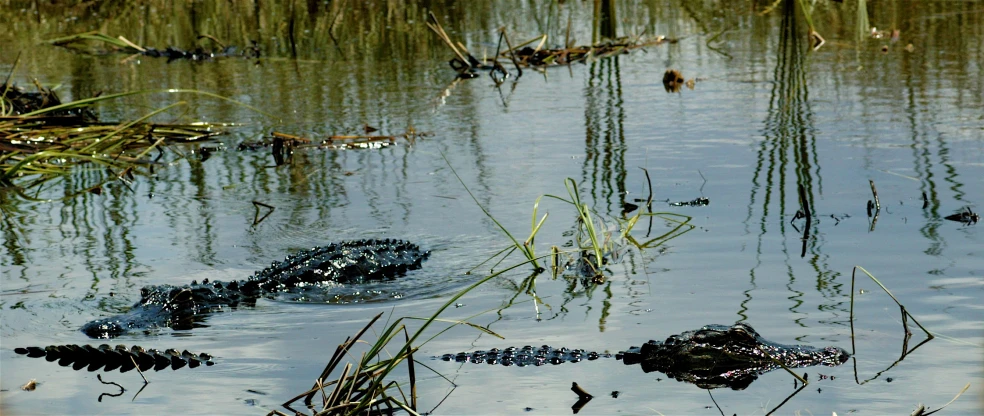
41	145
365	386
527	246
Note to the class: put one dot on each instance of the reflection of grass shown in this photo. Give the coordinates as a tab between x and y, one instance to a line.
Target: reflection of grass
807	9
55	139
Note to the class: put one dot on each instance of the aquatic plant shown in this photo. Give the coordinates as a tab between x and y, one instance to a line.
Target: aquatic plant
42	139
365	386
524	56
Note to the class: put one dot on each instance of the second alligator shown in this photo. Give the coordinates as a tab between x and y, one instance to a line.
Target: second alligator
182	307
710	357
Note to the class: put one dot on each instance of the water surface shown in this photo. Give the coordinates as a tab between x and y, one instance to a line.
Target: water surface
767	115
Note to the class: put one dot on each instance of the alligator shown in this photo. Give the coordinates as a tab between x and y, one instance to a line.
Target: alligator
171	53
108	358
184	307
711	357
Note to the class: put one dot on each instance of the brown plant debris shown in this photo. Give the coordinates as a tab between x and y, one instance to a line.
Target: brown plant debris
30	385
672	80
42	138
524	55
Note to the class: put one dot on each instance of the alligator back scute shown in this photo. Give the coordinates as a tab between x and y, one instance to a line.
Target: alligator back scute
186	307
122	358
711	357
525	356
350	261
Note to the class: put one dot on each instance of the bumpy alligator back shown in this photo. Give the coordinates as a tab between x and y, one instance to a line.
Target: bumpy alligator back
345	262
185	307
525	356
121	357
710	357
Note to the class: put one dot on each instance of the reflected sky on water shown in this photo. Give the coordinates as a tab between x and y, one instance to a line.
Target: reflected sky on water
767	115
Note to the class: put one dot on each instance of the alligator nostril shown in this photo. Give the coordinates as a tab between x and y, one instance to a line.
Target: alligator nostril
103	329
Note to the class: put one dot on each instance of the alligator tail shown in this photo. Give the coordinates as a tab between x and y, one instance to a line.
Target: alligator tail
109	358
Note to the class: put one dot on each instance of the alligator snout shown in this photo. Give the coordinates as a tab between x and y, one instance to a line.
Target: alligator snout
104	328
140	318
837	356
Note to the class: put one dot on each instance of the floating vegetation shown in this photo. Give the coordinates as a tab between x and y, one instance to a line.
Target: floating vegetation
365	388
524	55
82	43
46	139
672	80
30	385
42	138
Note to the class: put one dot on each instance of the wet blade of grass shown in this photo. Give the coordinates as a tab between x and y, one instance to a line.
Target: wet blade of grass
32	148
107	145
527	250
597	247
367	386
535	226
462	322
585	214
93	35
783	365
905	313
681	228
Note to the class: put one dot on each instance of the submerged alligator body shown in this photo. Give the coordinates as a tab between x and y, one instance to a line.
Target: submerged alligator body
182	307
119	358
710	357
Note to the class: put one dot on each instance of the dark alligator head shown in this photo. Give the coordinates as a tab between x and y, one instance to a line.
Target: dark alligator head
725	356
711	357
167	306
186	307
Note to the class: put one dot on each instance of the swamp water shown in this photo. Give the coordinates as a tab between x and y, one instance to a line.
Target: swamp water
767	115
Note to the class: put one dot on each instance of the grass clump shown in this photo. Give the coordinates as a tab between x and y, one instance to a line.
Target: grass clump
364	385
42	138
